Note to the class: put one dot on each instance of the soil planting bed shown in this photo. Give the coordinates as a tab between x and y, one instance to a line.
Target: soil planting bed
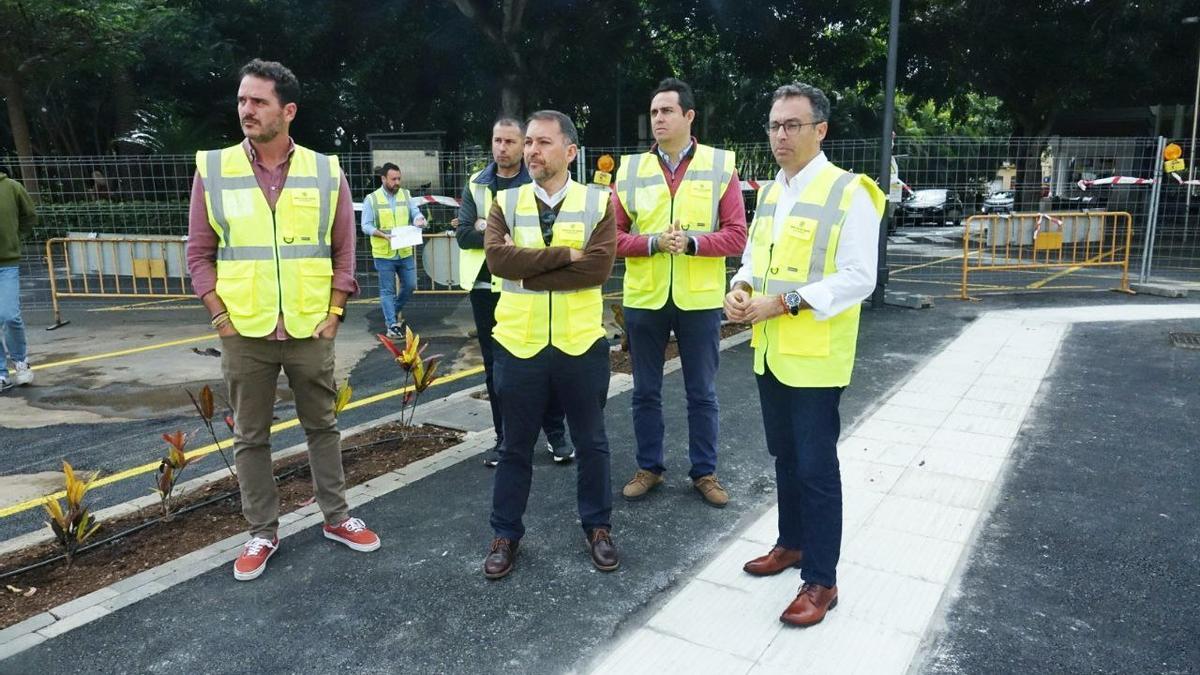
366	456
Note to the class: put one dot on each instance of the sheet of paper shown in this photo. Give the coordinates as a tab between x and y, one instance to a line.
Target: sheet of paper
403	237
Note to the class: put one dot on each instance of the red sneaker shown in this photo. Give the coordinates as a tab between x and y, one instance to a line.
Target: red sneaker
253	560
353	533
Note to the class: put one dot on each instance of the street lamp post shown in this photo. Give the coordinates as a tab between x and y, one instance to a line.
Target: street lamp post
1192	20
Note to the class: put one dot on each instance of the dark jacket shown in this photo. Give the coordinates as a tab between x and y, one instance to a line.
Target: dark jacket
468	211
17	219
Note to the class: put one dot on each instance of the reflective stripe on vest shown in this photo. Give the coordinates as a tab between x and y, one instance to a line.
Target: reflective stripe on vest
692	282
388	217
526	320
470	260
800	350
272	262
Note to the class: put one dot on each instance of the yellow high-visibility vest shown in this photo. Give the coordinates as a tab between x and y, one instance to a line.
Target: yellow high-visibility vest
693	282
272	263
470	260
386	218
527	321
802	351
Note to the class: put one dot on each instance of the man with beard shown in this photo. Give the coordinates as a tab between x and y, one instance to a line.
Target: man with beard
808	266
552	242
271	255
387	208
506	170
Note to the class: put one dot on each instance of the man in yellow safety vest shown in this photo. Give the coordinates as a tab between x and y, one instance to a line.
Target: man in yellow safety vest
383	210
271	254
553	243
808	266
679	213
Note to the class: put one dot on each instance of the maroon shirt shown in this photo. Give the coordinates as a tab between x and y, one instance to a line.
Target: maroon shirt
729	240
202	238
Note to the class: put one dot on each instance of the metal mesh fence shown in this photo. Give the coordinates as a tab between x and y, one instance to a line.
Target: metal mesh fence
943	181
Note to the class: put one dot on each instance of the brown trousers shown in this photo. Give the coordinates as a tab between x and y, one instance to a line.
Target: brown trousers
251	369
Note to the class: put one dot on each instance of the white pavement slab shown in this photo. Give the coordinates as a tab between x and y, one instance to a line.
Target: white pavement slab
919	476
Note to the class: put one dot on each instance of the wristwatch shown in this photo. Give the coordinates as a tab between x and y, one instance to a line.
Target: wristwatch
339	312
793	301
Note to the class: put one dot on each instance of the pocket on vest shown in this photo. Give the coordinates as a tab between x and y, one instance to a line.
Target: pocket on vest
803	335
316	280
235	287
639	274
706	274
584	314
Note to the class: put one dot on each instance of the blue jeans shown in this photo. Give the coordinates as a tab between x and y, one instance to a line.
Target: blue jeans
699	335
12	328
390	300
802	427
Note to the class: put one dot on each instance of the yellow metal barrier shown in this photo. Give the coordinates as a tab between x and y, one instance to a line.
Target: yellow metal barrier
155	268
1038	241
115	267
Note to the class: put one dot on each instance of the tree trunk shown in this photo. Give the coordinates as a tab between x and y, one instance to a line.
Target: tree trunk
14	94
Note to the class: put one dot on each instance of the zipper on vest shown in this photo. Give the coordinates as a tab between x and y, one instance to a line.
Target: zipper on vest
278	271
671	258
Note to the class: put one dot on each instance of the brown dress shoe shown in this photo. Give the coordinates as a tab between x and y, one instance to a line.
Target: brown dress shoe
810	606
500	559
604	551
774	562
711	490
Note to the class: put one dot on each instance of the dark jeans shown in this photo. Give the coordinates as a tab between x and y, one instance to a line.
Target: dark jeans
698	333
526	386
802	427
483	306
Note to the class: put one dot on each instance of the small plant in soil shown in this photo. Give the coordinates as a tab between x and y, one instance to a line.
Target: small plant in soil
170	469
75	525
205	408
421	372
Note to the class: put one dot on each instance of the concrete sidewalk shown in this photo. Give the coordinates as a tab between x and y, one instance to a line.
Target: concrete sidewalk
930	423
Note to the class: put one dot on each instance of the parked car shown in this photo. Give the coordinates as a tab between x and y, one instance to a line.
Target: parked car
998	202
930	207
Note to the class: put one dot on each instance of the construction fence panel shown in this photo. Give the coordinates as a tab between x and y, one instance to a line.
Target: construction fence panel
1175	252
942	181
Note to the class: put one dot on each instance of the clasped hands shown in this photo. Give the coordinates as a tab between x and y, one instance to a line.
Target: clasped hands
672	241
743	307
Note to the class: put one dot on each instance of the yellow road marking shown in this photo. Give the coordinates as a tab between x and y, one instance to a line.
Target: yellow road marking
926	264
212	447
1059	275
123	352
140	305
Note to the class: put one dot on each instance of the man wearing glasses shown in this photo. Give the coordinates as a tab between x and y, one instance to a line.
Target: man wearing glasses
808	266
679	213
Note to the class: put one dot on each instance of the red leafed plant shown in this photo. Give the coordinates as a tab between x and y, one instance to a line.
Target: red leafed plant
419	372
206	409
171	467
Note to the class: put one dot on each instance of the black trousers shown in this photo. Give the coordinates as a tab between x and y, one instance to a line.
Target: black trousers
483	307
580	383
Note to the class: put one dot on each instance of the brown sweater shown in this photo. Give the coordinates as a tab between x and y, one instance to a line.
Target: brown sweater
550	268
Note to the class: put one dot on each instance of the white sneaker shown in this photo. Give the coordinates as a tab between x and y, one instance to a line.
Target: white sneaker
395	332
21	373
5	383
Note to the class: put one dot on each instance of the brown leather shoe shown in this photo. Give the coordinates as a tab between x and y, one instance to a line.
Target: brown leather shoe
810	606
642	482
604	551
501	557
774	562
711	490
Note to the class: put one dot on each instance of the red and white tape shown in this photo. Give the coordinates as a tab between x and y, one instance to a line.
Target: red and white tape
1115	180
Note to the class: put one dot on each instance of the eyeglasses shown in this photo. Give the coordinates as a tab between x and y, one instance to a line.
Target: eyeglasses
790	126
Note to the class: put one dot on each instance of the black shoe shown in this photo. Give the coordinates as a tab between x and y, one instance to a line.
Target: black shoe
604	551
562	453
500	559
492	457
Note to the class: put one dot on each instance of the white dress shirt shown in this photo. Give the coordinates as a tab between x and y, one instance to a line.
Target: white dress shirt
857	250
551	200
